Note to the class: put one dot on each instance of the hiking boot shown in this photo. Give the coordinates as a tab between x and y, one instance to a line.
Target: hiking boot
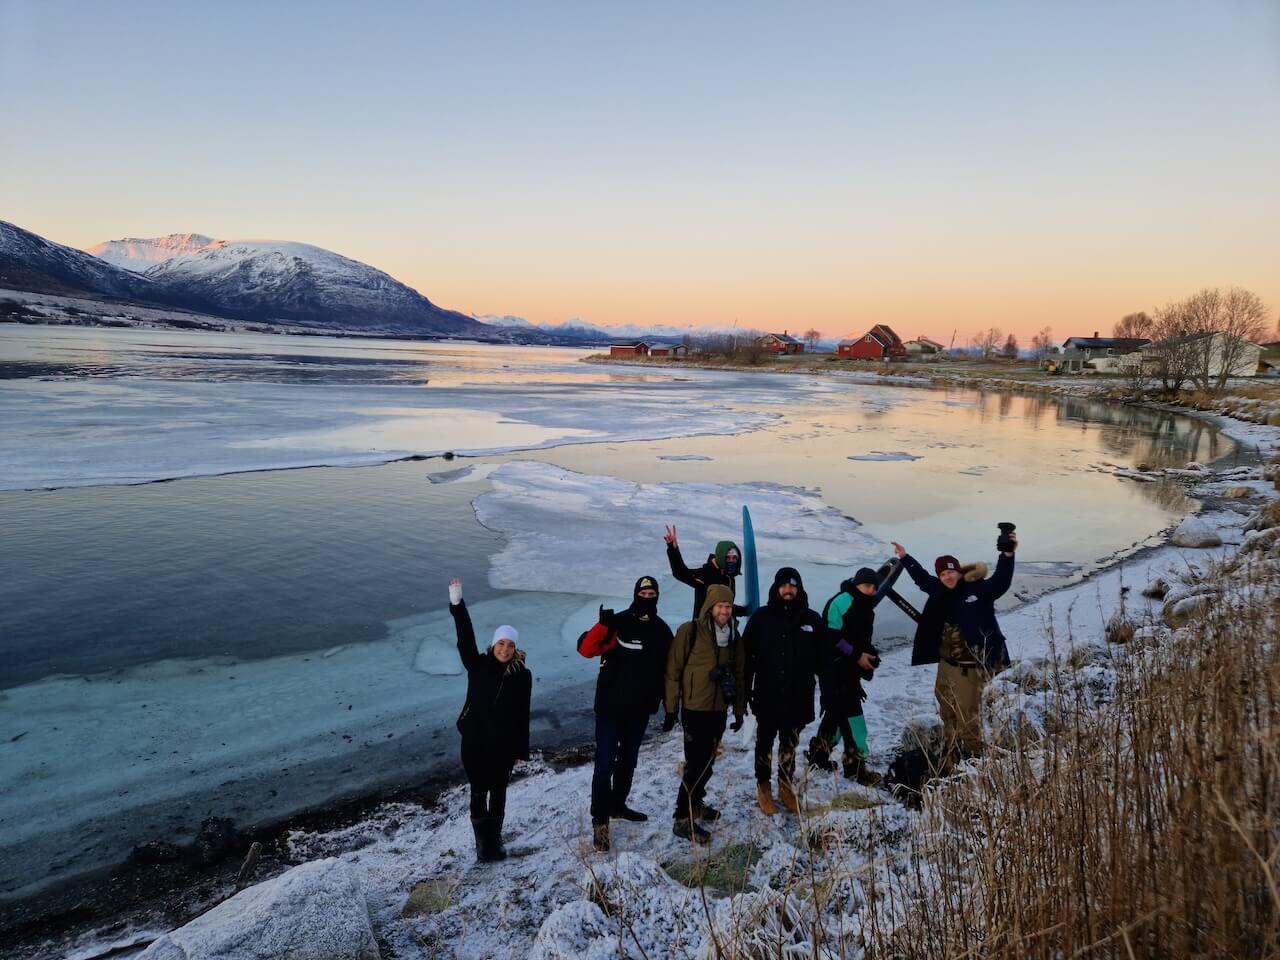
764	797
705	812
689	830
817	757
857	770
787	797
600	837
623	812
480	829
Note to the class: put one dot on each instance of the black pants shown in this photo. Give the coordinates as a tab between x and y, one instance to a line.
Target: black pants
702	732
788	738
617	747
488	775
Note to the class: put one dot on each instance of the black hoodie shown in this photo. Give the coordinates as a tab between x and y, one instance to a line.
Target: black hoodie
784	643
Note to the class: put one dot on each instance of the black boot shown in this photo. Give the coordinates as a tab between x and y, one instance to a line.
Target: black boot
818	756
622	812
705	812
855	768
496	850
480	827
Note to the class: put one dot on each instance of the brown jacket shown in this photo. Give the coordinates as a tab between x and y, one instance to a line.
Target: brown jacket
694	655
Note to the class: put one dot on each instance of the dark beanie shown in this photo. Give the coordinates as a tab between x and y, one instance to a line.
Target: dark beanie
788	575
946	562
865	575
645	583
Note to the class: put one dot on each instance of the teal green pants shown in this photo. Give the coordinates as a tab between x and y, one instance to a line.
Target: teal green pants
858	725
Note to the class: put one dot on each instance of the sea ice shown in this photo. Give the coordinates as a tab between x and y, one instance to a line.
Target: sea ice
886	456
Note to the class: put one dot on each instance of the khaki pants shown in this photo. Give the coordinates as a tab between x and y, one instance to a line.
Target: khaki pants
959	694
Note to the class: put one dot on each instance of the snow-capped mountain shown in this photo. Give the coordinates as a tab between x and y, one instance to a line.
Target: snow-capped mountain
30	262
139	255
271	280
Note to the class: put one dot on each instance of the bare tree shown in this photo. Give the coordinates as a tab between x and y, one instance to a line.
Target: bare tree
1042	343
1010	349
811	338
1243	319
986	342
1134	326
1171	356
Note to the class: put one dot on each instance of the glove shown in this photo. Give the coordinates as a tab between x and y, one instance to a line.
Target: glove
606	616
668	723
738	721
455	593
845	647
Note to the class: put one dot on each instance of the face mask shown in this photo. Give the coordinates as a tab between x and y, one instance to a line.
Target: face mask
645	606
731	567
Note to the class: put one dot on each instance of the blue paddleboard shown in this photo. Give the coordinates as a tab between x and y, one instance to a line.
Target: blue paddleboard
750	565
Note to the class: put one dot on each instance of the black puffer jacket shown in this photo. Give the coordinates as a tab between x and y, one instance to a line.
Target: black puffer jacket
784	644
495	716
632	647
707	575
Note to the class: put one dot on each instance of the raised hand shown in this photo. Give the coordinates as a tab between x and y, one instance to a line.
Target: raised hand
899	550
670	537
606	616
455	592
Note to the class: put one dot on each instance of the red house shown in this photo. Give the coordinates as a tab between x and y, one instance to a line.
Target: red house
636	348
878	343
780	343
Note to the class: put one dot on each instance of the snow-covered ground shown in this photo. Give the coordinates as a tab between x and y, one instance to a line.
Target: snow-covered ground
426	896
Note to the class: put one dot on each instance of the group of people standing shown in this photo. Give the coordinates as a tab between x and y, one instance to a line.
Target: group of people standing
707	668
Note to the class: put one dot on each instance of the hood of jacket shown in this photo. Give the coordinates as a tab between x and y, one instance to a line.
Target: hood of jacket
722	552
973	572
800	603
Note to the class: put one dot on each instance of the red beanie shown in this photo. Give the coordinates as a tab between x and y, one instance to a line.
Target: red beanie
946	562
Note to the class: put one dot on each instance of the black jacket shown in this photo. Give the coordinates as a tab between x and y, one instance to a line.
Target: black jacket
632	649
849	615
700	579
784	658
970	606
496	713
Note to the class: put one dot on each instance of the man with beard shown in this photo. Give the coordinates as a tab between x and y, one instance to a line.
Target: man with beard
721	567
784	641
704	677
632	647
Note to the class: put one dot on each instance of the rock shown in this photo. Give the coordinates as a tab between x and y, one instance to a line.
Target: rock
428	897
1194	533
922	732
316	911
1156	589
1181	611
1263	542
1237	493
1198	467
1029	674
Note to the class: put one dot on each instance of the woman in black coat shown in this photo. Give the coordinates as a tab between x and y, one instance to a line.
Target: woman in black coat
494	722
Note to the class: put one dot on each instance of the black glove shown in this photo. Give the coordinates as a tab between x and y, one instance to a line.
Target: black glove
668	723
737	723
606	616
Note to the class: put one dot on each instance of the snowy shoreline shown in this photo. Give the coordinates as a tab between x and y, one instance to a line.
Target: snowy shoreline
403	844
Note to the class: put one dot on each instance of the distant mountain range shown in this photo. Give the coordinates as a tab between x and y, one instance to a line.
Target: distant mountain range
269	282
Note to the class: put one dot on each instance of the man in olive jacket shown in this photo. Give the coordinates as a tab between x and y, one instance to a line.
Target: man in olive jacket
705	676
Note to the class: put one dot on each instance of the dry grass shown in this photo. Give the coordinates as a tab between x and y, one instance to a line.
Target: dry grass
1145	828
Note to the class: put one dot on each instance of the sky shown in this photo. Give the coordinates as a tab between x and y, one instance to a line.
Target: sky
941	167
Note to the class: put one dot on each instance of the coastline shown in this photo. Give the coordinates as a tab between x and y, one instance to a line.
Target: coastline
205	883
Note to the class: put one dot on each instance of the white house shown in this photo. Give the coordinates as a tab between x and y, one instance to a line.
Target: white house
922	346
1207	353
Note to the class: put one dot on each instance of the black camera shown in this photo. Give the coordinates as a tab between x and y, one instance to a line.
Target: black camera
1005	543
875	661
722	677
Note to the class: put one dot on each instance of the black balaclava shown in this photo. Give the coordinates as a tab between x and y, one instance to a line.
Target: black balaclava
788	575
644	606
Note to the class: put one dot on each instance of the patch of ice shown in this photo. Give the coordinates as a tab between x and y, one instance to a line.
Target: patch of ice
886	456
596	534
685	456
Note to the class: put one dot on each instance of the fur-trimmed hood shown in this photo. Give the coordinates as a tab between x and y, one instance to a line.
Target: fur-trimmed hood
973	572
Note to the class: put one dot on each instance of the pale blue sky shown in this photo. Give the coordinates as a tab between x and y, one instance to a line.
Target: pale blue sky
932	165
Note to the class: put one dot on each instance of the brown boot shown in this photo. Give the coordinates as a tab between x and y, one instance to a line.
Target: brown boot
764	797
787	797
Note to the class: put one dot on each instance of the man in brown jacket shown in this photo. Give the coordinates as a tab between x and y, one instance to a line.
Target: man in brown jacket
705	676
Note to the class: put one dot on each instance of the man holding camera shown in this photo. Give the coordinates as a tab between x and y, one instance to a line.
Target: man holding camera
784	642
958	631
704	677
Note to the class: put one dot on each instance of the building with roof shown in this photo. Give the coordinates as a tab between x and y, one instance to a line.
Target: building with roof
629	348
780	343
878	343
